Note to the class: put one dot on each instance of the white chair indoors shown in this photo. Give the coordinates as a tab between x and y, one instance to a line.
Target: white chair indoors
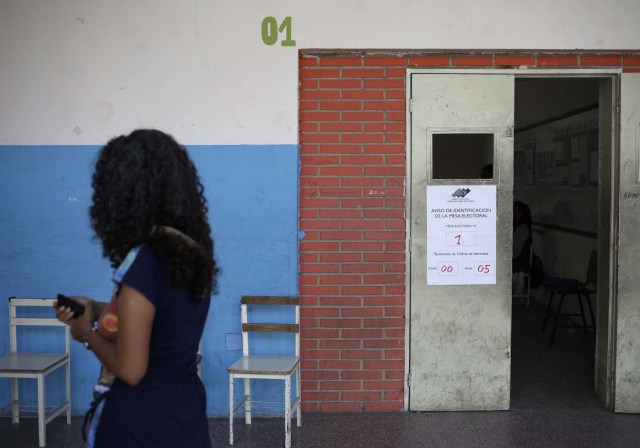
17	364
266	367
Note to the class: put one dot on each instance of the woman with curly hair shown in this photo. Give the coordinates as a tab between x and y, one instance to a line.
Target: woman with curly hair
150	214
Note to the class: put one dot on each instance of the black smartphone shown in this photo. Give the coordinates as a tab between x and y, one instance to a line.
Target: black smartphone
74	306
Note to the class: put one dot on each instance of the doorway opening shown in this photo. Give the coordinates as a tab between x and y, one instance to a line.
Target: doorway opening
557	152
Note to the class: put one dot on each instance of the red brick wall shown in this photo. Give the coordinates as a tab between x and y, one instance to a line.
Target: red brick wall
352	123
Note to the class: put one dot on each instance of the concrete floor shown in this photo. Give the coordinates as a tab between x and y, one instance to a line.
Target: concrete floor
552	405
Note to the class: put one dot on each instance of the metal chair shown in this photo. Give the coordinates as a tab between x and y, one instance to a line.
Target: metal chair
567	287
17	364
267	367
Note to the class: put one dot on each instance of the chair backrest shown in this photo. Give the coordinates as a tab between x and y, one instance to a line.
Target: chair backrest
248	327
15	321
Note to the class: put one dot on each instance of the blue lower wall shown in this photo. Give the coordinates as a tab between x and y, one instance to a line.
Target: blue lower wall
47	246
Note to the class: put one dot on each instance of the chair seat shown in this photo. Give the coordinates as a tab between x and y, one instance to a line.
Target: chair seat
30	363
265	365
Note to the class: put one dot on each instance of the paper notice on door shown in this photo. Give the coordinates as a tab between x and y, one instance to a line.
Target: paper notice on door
461	235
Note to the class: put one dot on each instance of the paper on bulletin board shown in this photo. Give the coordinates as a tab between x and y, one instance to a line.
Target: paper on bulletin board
461	235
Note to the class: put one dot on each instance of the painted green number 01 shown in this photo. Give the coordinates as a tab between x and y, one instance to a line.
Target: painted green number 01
270	31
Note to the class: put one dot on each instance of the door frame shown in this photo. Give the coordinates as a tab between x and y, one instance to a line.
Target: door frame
614	75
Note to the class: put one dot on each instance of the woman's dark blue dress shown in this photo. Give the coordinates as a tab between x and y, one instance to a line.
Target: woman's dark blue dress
168	407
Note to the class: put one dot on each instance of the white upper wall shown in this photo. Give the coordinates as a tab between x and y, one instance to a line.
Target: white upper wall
82	71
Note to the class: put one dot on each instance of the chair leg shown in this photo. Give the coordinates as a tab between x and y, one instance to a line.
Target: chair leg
247	401
231	379
299	396
584	319
41	417
546	315
555	323
15	401
68	393
287	412
593	320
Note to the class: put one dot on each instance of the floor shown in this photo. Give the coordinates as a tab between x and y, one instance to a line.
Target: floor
552	405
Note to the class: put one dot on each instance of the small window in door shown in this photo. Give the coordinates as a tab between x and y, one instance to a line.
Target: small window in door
463	156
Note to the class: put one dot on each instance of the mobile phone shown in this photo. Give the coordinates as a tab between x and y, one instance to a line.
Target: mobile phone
74	306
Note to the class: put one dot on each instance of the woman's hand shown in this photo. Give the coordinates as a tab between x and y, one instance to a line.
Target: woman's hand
64	314
81	326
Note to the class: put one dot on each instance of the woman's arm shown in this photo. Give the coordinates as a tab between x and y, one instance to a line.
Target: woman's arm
128	357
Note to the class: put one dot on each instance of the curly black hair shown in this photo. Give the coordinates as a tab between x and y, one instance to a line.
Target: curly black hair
144	183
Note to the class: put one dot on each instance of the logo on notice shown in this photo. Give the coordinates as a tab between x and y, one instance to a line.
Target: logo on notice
460	192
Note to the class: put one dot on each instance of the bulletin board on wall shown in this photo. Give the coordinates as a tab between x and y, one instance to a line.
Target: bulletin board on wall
556	171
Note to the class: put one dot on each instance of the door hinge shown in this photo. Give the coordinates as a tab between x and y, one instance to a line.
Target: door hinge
509	131
409	379
410	105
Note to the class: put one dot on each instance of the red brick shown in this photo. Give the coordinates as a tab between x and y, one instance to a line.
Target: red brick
631	70
362	224
384	301
362	334
396	72
395	95
319	94
394	289
363	182
340	214
340	235
384	171
319	73
384	406
362	396
310	268
361	354
362	138
362	116
310	385
384	83
340	127
515	61
391	246
319	354
363	94
396	116
361	375
384	236
340	83
322	375
340	323
363	203
384	105
340	301
394	374
361	268
320	333
428	61
385	61
340	62
341	105
472	61
601	60
552	61
384	385
320	290
340	344
308	61
320	312
362	312
361	290
376	365
340	280
362	160
339	364
385	127
308	323
395	138
339	407
316	203
383	343
340	171
394	354
310	407
319	116
319	181
632	59
308	127
361	246
341	385
320	396
341	192
384	214
393	396
340	257
363	73
384	322
308	84
319	246
308	258
306	106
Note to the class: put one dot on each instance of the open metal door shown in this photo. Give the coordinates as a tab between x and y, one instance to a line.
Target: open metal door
627	349
460	334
